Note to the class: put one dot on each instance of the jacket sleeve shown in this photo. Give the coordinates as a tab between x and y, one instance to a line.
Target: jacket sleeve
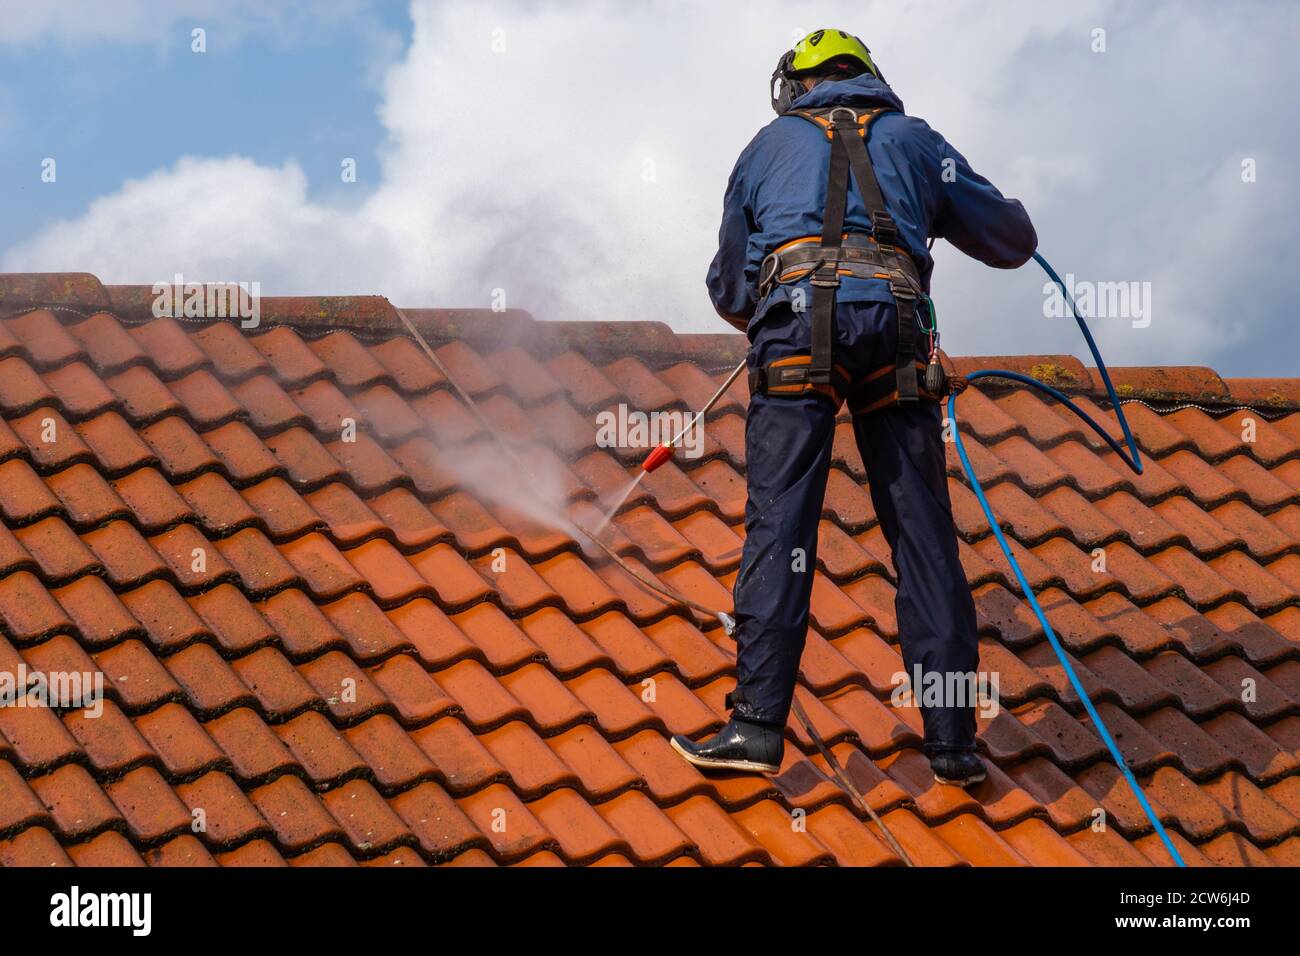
976	218
727	280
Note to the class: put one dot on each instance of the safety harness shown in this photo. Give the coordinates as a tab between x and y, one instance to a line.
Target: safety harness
837	253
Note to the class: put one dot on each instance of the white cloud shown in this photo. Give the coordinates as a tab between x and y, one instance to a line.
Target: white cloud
220	219
581	168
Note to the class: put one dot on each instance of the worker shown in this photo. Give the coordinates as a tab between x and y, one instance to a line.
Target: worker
839	316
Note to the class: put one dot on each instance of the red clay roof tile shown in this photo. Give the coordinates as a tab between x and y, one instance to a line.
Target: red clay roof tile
395	760
223	814
457	584
192	559
181	743
269	407
977	843
53	444
109	739
136	676
370	825
468	368
320	749
79	390
519	587
847	839
1262	537
534	769
511	829
181	851
436	640
180	452
216	506
415	694
40	334
347	359
210	685
368	632
168	620
463	763
254	750
151	808
142	395
86	498
21	389
78	807
550	706
296	815
35	846
38	739
207	402
438	822
280	690
348	693
21	807
156	505
229	350
410	369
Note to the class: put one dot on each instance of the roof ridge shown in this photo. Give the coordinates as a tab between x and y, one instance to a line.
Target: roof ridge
604	341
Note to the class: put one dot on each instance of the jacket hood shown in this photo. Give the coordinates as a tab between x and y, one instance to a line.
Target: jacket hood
863	90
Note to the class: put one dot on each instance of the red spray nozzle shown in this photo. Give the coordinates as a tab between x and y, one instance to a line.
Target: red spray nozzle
657	457
665	451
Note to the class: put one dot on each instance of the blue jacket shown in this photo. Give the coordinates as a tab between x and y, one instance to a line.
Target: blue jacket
777	193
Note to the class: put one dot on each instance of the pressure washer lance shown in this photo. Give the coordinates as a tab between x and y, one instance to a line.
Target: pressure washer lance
653	461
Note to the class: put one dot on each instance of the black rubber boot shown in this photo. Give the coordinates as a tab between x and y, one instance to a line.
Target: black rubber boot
740	745
960	768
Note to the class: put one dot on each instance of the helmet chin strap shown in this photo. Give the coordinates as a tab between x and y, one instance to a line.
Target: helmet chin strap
783	86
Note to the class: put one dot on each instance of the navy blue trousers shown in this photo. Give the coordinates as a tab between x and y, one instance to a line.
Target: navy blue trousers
788	455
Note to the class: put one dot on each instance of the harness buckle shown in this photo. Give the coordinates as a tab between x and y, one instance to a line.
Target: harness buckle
883	228
826	275
901	291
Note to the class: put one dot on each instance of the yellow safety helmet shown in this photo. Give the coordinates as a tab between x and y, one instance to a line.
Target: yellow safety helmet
812	52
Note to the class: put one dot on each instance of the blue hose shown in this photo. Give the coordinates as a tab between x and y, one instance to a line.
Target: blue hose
1131	458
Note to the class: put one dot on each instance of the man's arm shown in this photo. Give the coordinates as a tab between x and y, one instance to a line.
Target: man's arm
976	218
727	283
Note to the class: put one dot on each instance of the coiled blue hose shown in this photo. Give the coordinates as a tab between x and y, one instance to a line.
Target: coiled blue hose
1131	458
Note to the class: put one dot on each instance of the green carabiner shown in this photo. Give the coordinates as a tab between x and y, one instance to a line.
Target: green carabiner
934	317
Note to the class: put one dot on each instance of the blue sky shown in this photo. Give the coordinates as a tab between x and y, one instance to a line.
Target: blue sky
571	156
109	109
